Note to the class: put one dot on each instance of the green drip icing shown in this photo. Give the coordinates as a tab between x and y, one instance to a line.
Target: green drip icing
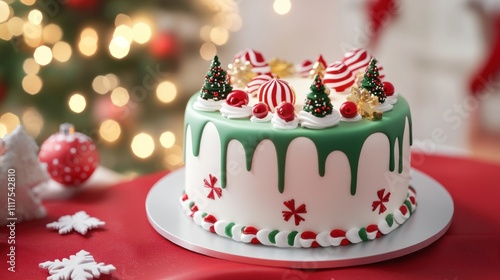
272	236
408	205
228	229
390	220
291	238
362	234
345	137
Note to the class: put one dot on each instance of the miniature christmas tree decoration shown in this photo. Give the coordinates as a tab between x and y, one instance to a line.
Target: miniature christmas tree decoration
371	81
317	101
216	86
20	173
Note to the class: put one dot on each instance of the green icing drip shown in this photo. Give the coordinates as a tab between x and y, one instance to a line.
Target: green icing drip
362	234
390	220
291	237
346	137
408	205
272	236
228	229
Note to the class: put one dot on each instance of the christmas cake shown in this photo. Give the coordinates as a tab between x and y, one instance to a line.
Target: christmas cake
301	155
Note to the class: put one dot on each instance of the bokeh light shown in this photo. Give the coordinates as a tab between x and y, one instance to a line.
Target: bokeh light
32	121
125	32
30	66
15	26
282	7
119	47
62	51
143	145
35	17
110	130
207	51
10	121
120	96
4	11
166	91
52	34
167	139
32	84
43	55
141	32
88	41
219	35
77	103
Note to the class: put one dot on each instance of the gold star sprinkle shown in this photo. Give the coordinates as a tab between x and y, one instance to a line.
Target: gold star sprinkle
240	73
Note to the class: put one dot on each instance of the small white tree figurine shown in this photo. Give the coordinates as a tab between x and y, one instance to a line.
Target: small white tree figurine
20	172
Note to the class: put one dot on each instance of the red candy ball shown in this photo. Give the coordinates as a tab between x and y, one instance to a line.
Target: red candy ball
286	111
348	109
388	89
237	98
260	110
71	157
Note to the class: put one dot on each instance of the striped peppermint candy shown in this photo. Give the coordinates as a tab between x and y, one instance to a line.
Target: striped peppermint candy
308	239
274	92
256	59
338	76
381	72
305	68
338	238
249	235
253	86
357	60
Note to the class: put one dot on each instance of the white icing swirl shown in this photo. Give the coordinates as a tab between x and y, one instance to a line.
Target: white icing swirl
232	112
393	99
207	105
384	107
267	118
357	118
308	120
282	124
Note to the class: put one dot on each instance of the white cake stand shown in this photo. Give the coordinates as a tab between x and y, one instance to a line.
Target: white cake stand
430	221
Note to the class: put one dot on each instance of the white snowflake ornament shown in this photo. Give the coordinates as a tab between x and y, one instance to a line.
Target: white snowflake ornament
81	222
81	266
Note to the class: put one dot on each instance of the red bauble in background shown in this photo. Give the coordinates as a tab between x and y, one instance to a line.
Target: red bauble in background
349	109
88	5
164	44
71	157
3	91
286	111
237	98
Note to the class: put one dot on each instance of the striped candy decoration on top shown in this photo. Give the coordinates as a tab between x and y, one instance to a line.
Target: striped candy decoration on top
253	86
274	92
256	59
357	60
338	76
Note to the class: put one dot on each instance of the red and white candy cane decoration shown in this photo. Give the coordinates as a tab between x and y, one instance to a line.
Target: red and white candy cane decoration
357	60
305	68
338	77
253	86
71	157
274	92
256	59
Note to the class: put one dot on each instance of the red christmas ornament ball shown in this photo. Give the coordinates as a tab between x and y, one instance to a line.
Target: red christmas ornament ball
164	45
286	111
237	98
260	110
388	89
71	157
348	109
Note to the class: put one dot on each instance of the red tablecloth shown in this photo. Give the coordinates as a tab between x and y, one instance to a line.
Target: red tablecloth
469	250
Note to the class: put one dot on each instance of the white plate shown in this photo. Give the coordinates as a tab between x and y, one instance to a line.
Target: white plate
430	221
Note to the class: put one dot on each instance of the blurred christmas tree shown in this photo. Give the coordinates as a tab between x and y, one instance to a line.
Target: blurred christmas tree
109	67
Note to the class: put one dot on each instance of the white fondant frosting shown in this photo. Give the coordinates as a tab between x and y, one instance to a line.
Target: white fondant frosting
207	105
232	112
279	123
267	118
393	99
357	118
308	120
384	107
